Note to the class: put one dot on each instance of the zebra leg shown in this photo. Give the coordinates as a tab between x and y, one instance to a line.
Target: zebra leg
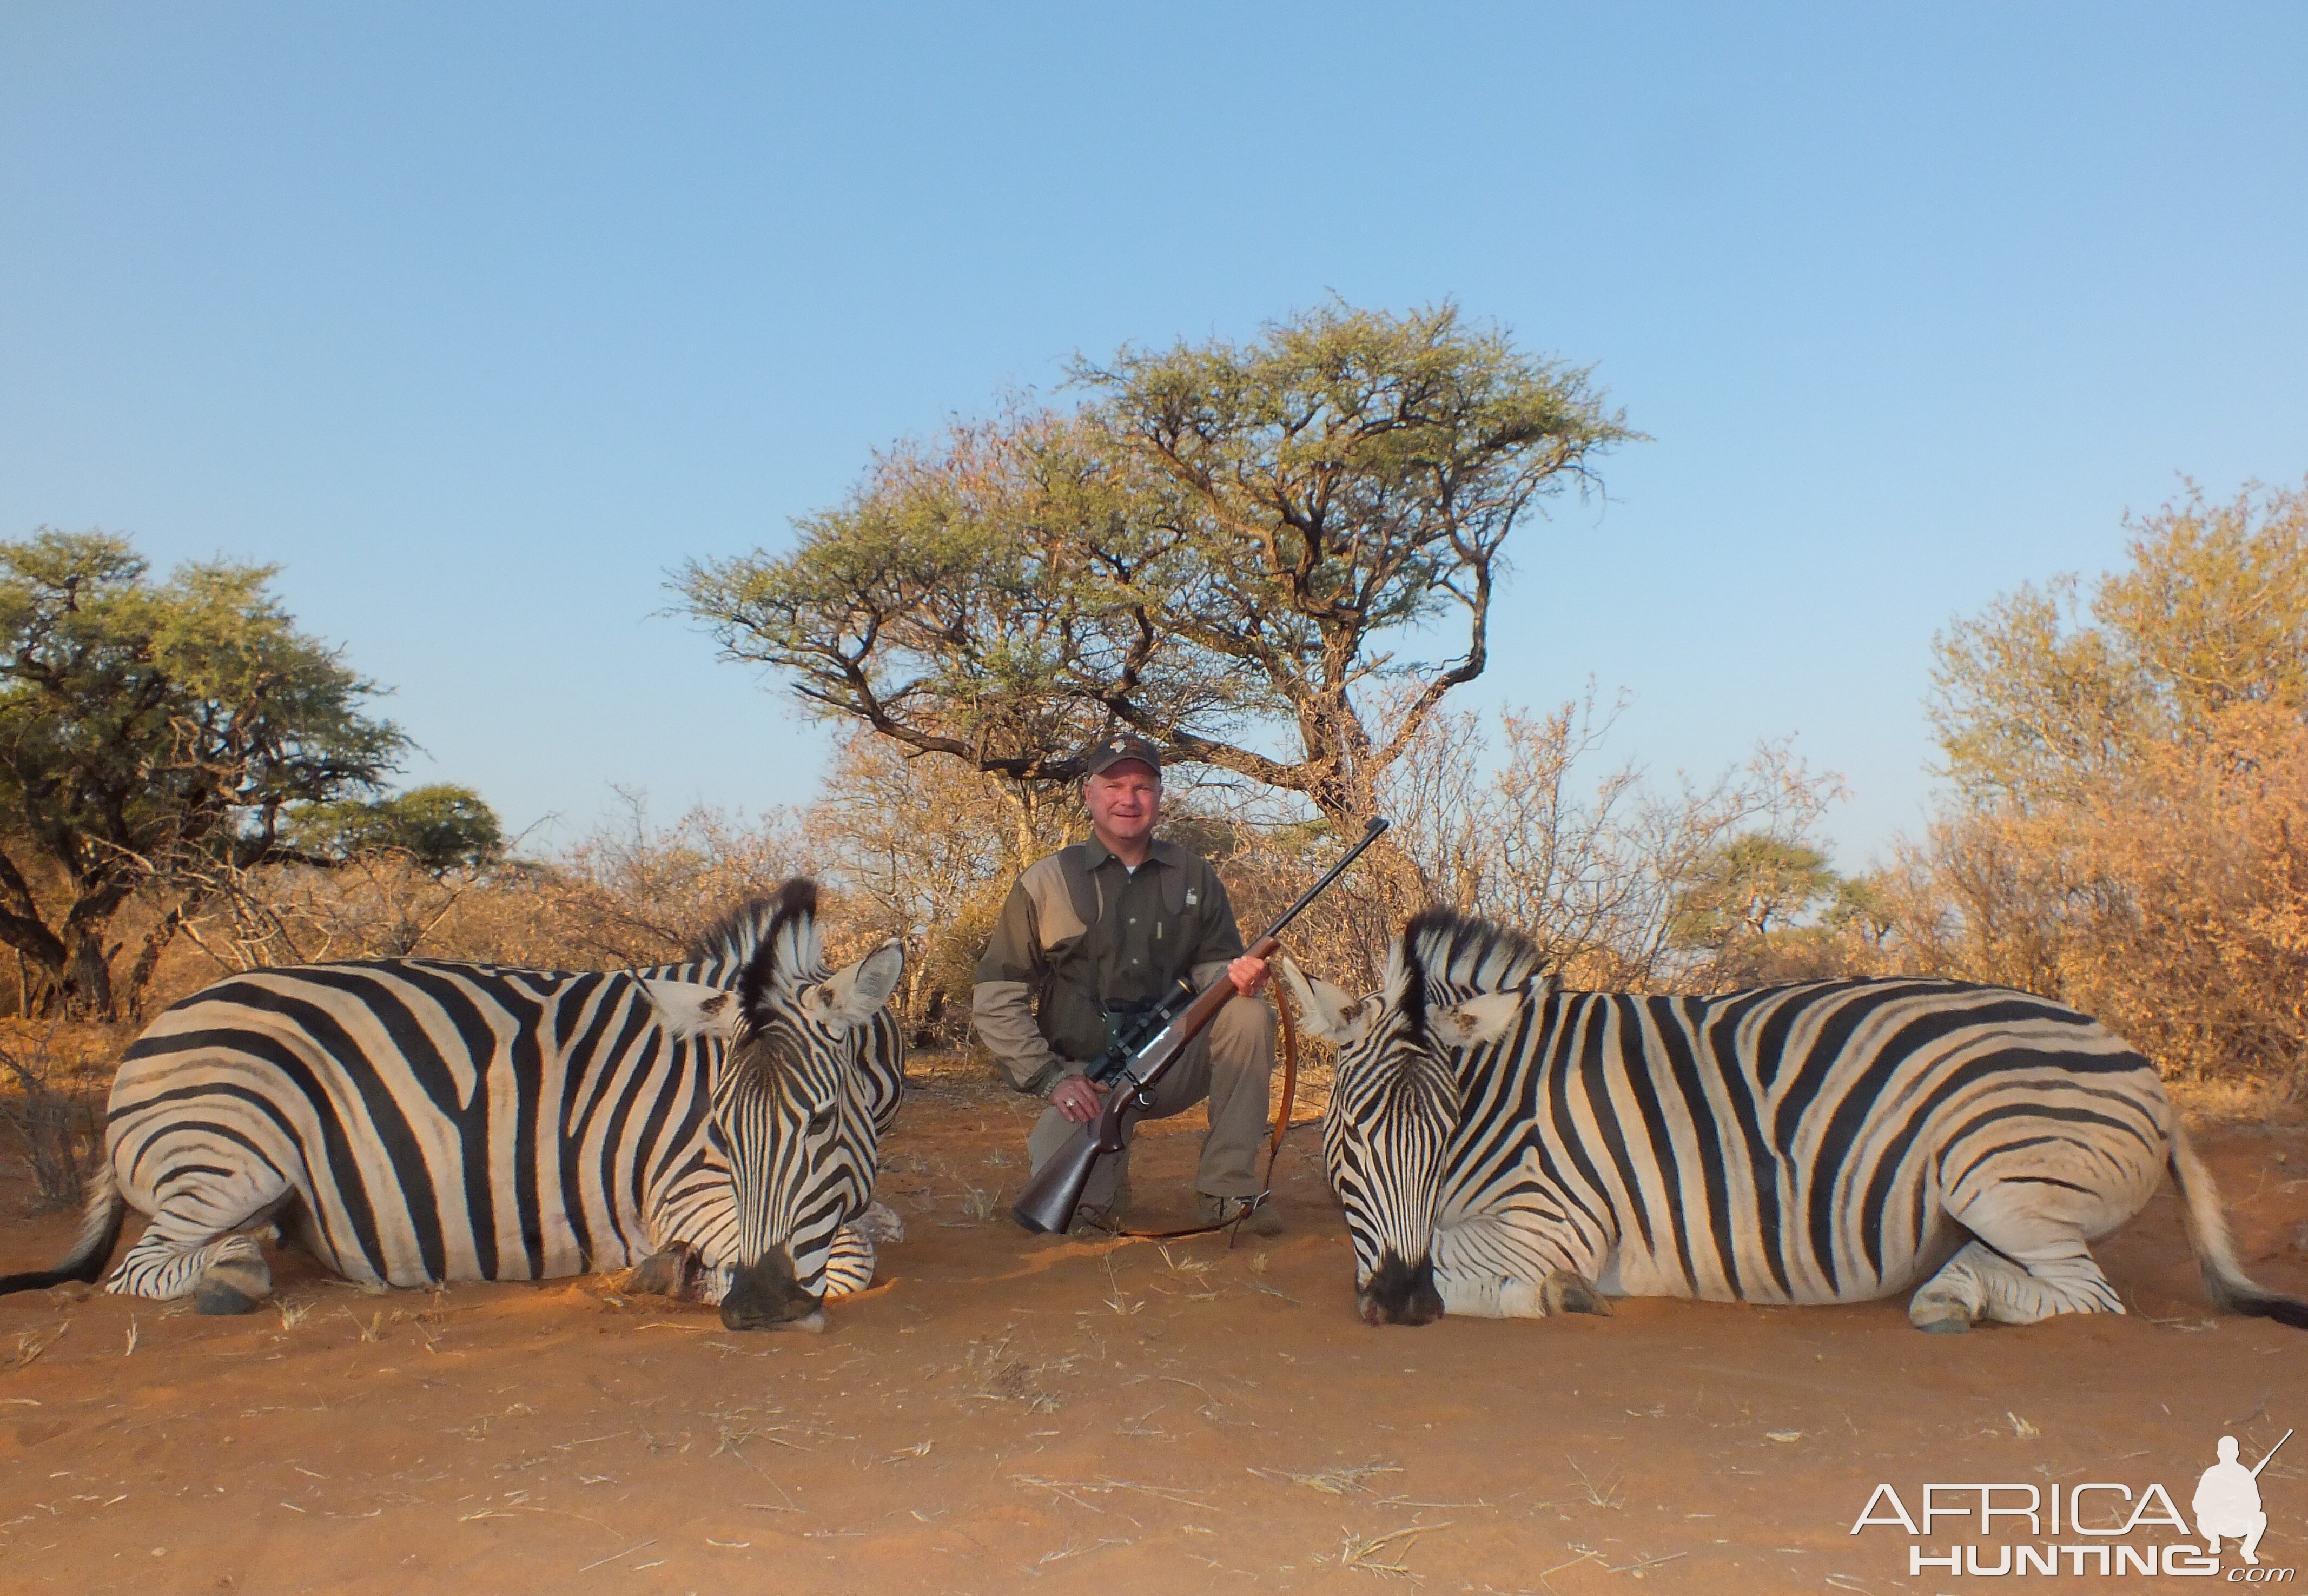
1983	1281
880	1224
227	1276
235	1279
2033	1195
850	1265
1499	1266
199	1245
1566	1292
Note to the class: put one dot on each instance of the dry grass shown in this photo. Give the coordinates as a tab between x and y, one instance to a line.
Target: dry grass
1382	1554
1341	1481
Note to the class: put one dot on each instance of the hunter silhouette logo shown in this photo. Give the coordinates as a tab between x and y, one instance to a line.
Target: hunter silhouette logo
2228	1502
2088	1528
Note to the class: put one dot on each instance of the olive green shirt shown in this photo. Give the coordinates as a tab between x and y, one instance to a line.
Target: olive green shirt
1080	931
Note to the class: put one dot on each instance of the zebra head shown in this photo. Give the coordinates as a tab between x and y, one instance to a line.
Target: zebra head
1396	1103
789	1115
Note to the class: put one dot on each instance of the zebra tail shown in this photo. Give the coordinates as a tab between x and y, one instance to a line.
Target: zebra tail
2225	1280
99	1228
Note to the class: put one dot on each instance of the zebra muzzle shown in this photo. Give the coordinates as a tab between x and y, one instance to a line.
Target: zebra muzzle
765	1296
1400	1293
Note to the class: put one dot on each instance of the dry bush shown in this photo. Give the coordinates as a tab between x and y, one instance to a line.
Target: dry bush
1519	820
2170	900
628	893
377	905
623	895
2131	796
53	1081
1527	825
924	849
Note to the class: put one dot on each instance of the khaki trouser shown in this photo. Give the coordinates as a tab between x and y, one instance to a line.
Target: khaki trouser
1230	1063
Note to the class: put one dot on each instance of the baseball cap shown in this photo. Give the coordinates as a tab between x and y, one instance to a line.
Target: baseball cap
1122	745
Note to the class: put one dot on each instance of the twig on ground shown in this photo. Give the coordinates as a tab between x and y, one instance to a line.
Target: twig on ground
1361	1552
613	1557
1340	1482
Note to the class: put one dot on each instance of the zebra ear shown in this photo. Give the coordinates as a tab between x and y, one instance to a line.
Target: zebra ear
1482	1017
852	997
1328	1013
689	1008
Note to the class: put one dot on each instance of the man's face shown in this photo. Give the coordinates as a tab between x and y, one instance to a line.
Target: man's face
1124	800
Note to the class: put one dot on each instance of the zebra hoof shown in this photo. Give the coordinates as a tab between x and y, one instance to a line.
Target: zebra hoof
232	1286
1940	1317
661	1274
212	1299
1564	1291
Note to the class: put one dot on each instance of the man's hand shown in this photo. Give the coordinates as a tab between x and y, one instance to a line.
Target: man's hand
1078	1098
1248	975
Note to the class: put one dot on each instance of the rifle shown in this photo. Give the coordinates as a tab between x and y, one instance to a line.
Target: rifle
1047	1204
1143	1027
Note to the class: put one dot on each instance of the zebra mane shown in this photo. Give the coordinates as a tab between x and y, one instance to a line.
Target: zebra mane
785	924
1443	956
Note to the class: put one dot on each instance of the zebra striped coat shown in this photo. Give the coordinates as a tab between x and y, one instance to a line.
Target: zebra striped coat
1506	1149
411	1122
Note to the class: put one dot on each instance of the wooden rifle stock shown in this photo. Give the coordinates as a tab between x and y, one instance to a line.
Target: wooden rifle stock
1047	1206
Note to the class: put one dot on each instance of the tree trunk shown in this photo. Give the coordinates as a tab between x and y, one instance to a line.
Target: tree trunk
148	958
88	979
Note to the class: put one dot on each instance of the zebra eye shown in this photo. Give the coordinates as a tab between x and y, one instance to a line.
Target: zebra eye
821	1121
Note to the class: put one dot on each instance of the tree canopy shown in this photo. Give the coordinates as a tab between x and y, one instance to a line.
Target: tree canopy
147	728
1745	887
2042	696
1220	542
2132	790
439	828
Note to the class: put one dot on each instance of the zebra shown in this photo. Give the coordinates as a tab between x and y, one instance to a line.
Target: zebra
416	1121
1505	1148
872	1095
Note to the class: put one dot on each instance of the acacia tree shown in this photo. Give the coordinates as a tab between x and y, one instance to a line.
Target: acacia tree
150	731
1743	888
1222	540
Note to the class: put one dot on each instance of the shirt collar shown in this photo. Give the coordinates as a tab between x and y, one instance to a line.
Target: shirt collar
1163	852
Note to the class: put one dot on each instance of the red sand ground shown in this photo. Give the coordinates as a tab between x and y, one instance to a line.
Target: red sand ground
1003	1414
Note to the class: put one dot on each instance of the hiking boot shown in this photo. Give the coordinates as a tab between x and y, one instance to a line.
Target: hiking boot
1263	1219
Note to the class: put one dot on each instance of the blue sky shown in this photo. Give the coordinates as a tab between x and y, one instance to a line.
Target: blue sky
481	321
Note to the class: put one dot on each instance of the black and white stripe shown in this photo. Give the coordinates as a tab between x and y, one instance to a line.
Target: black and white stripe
1506	1149
413	1121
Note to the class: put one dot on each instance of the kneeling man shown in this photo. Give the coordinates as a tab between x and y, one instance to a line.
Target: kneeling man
1090	937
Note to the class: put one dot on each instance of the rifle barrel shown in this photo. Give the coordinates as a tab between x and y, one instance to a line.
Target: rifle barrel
1273	933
